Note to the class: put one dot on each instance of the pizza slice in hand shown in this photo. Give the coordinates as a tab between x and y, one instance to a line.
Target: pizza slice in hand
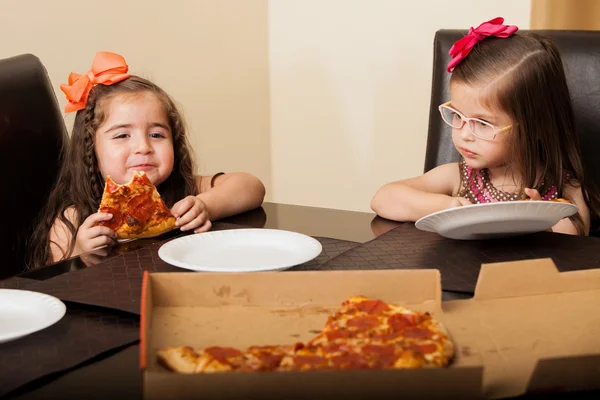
137	208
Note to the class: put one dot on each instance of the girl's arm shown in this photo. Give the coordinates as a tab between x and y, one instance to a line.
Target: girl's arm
232	193
60	236
411	199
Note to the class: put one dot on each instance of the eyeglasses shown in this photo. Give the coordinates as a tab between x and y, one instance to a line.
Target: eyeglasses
478	127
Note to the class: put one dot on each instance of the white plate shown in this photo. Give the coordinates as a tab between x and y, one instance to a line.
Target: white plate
23	312
494	220
240	250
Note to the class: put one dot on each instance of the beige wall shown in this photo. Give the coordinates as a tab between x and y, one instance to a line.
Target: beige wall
324	100
211	56
350	89
565	14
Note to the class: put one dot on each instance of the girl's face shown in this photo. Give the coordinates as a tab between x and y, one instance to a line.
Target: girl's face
135	136
478	153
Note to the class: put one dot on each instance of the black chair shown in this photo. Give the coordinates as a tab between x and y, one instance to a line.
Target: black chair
32	134
580	51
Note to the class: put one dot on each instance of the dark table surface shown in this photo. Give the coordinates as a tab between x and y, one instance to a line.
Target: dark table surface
117	373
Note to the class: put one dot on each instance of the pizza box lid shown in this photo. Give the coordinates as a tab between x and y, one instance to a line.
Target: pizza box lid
535	328
240	310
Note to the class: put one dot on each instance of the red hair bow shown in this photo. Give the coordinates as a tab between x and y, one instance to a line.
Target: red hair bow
461	48
107	68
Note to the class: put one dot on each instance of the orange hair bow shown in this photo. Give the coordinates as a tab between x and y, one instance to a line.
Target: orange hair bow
107	68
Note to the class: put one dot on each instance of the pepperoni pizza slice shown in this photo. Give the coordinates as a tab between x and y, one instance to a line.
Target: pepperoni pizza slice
136	207
363	334
367	333
185	359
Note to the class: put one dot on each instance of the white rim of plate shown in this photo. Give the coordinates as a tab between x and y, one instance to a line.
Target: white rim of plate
501	203
318	248
59	310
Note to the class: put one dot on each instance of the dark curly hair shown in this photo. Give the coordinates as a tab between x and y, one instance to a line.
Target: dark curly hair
80	184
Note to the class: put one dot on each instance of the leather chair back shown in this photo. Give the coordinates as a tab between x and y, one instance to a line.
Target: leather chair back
32	133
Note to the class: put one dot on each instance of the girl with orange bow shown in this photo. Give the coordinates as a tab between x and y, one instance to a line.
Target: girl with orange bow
512	122
125	124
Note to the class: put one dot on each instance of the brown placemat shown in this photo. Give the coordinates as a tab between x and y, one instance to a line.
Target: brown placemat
82	334
117	282
459	262
331	249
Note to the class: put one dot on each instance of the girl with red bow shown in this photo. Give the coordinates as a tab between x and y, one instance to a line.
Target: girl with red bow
126	124
512	122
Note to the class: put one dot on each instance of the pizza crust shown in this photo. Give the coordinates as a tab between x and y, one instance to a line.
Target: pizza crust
150	231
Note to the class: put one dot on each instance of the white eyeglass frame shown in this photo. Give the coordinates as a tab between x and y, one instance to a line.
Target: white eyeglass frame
465	120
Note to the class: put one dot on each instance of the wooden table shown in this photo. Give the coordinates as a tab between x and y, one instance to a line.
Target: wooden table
118	373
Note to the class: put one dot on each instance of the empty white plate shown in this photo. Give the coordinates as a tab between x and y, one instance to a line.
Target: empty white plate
494	220
23	312
240	250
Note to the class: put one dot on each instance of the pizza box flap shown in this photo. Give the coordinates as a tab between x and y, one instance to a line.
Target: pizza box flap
240	310
531	277
524	312
189	289
454	383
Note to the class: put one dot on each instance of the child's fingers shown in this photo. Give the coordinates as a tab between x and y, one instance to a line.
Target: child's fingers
182	207
204	228
533	194
101	241
102	231
193	222
185	220
95	219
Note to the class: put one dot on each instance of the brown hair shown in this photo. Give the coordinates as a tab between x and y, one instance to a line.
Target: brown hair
523	76
80	184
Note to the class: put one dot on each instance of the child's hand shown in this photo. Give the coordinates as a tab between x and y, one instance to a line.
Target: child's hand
533	194
91	236
191	213
458	202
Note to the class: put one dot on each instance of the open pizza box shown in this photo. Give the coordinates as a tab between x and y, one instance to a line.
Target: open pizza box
528	328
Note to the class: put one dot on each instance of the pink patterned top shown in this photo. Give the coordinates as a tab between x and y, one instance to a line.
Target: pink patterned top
477	188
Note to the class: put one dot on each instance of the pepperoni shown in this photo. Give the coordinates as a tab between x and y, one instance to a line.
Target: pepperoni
142	180
338	334
348	361
141	207
427	348
414	332
221	354
378	350
401	321
312	361
388	336
132	222
364	322
269	356
330	348
111	186
382	356
115	221
372	306
270	361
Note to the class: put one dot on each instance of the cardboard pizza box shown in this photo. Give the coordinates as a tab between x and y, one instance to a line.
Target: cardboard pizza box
536	329
528	328
240	310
